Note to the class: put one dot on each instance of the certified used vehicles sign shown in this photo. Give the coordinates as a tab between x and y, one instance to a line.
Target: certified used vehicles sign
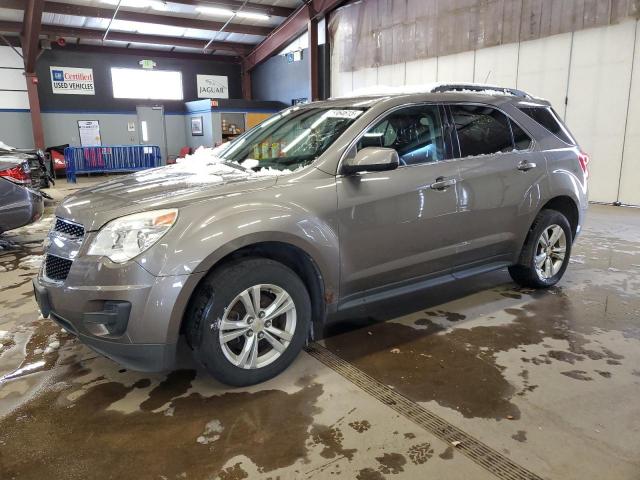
72	81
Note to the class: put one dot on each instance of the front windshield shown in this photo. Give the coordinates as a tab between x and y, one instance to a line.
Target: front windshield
291	139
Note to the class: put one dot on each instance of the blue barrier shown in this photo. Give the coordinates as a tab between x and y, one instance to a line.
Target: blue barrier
117	158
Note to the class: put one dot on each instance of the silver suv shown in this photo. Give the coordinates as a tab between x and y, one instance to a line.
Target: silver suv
249	251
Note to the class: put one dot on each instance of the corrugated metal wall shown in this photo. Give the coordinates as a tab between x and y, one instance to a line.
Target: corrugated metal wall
384	32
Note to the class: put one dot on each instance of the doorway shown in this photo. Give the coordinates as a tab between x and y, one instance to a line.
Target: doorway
152	128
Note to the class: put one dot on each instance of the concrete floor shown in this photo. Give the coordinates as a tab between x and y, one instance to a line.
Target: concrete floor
549	380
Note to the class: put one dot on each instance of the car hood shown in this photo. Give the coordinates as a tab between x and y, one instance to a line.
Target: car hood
165	187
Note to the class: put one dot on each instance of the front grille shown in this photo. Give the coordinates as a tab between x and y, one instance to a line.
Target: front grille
71	229
56	268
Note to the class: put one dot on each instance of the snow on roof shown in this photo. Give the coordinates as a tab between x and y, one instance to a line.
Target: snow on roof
460	87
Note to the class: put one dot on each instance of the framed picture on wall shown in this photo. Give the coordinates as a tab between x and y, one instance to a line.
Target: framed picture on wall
196	127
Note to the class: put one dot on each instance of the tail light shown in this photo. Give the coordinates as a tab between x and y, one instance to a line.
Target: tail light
583	160
17	174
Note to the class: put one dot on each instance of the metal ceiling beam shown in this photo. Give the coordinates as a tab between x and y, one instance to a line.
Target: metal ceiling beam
235	4
93	34
140	17
148	53
291	28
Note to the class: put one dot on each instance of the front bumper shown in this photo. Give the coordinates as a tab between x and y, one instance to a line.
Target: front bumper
121	311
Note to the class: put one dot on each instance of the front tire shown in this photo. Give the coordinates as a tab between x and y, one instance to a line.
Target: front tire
248	320
546	251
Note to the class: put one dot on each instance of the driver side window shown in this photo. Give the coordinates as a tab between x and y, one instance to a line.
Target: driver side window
414	132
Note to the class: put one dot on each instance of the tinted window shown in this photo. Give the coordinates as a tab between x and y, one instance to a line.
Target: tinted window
521	139
549	120
481	130
414	132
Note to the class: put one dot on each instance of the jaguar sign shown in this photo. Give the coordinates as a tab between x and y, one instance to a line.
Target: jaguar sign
212	86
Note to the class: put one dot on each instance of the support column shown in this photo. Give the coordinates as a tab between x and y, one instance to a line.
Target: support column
30	39
312	29
246	83
34	106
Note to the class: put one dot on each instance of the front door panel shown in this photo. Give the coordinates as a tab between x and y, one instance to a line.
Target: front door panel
394	227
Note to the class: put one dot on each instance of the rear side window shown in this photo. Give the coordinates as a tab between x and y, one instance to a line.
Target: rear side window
521	140
481	130
549	120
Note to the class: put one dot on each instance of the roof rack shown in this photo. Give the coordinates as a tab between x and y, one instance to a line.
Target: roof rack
453	87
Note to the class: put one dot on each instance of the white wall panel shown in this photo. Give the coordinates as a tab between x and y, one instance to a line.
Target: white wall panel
9	58
598	95
341	83
543	68
497	65
14	100
391	75
420	72
456	68
12	79
366	77
630	178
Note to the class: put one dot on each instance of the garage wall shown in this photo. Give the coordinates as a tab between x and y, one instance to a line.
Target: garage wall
630	171
15	119
596	71
276	79
101	63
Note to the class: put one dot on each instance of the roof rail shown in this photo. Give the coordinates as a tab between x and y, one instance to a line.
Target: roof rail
479	88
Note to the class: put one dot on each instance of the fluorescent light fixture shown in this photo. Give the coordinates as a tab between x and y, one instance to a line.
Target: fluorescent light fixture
154	4
252	15
225	12
219	12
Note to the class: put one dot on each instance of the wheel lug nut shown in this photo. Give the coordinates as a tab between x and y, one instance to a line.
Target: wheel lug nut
250	333
267	323
260	335
261	315
250	320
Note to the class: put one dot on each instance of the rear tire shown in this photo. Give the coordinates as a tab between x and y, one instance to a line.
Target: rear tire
248	320
546	251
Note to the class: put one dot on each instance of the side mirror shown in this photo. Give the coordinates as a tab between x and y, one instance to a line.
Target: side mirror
371	159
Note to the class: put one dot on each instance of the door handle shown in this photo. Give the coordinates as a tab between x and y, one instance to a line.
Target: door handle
525	166
442	183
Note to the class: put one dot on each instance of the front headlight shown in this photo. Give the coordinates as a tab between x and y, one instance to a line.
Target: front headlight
126	237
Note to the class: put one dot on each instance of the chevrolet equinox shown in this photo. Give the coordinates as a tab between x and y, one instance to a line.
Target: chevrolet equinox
383	195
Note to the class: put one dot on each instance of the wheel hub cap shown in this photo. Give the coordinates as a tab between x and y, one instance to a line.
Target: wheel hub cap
257	326
550	252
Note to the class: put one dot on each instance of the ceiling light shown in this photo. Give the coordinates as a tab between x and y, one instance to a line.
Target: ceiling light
225	12
215	11
154	4
255	16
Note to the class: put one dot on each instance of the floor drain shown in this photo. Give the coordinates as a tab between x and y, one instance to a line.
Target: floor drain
482	454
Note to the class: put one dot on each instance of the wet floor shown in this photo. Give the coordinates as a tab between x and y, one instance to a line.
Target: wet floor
550	380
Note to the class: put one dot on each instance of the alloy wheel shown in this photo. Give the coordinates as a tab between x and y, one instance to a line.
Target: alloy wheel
550	252
258	326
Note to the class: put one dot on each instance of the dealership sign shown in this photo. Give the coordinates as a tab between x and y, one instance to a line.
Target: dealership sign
212	86
72	81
